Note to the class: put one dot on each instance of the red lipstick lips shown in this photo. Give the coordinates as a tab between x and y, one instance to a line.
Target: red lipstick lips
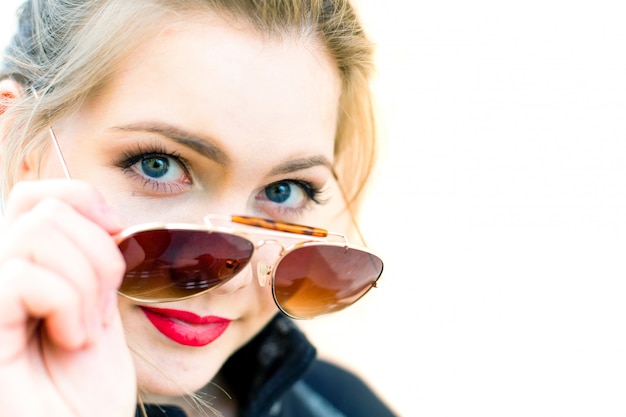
184	327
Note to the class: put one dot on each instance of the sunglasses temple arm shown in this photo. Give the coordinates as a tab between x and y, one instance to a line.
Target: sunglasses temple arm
57	148
66	171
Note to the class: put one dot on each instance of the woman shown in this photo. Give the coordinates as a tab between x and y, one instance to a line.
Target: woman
174	117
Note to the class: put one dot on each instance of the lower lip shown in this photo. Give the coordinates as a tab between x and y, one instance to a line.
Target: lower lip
186	328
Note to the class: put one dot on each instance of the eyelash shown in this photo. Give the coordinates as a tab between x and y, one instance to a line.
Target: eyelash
129	158
312	192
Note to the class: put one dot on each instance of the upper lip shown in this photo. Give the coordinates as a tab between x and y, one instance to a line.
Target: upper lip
185	316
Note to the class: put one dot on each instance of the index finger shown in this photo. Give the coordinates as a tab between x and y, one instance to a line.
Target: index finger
83	197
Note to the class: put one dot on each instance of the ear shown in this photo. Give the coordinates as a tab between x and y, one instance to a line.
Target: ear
10	91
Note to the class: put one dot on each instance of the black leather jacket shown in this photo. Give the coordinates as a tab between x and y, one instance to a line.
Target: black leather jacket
277	375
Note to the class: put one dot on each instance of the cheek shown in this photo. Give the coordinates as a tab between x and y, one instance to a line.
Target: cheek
261	308
333	215
131	318
266	307
37	166
137	330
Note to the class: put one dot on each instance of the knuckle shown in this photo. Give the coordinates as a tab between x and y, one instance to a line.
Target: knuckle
48	211
22	188
13	268
50	206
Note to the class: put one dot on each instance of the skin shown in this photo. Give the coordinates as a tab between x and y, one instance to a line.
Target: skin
261	106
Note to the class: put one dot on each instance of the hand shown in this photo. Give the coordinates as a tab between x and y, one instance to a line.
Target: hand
62	346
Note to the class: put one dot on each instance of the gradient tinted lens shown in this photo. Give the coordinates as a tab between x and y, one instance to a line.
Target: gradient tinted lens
167	264
320	278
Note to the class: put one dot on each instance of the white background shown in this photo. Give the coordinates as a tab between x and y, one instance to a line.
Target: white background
499	208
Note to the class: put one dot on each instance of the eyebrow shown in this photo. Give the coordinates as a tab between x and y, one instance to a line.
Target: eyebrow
202	145
206	147
301	164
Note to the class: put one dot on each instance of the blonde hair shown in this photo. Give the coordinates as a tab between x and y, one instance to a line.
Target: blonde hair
68	49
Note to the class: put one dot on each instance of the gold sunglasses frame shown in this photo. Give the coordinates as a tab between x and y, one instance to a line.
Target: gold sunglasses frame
265	272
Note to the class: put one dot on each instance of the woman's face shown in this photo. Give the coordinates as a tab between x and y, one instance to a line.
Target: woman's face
206	118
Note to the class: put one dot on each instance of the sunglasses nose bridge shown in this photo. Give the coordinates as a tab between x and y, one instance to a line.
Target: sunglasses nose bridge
267	252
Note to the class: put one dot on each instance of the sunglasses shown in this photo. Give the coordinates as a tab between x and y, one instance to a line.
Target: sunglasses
314	276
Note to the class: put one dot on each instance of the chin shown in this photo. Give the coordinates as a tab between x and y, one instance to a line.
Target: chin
170	379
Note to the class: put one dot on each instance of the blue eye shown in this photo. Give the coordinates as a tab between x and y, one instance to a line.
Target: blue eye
286	199
155	166
279	192
155	171
292	193
159	167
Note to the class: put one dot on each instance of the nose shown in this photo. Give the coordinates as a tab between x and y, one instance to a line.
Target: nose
257	271
240	281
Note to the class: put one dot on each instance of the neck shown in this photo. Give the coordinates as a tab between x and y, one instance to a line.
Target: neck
210	401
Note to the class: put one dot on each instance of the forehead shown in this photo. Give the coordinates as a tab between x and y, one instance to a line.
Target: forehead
228	82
